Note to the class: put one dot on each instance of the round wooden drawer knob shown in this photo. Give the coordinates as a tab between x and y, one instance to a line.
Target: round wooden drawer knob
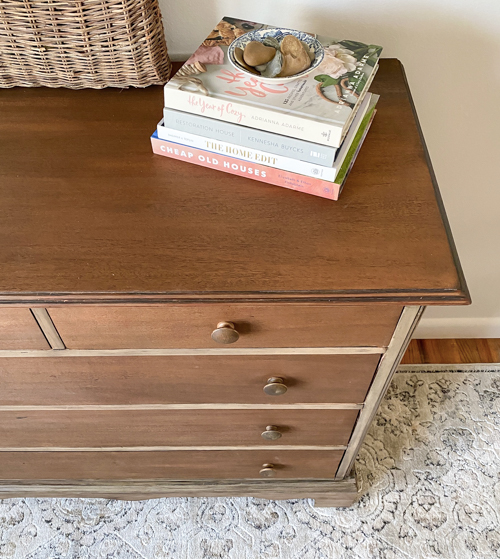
267	470
225	333
275	386
271	433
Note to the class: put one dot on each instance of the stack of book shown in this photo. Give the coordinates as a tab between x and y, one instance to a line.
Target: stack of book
303	135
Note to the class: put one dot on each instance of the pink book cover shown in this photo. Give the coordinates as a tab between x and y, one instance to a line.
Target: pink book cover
269	175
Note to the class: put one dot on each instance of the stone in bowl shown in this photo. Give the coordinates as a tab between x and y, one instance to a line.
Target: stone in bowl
316	51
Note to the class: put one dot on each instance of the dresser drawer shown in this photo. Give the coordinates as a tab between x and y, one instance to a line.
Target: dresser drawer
206	379
189	427
19	330
178	465
191	326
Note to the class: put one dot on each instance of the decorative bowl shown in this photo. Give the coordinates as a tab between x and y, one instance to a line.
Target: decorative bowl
278	33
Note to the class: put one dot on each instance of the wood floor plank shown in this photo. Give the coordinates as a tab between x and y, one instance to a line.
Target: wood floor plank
453	351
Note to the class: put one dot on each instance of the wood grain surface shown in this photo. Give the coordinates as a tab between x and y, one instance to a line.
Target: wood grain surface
191	326
326	493
129	428
195	380
453	351
47	327
185	464
90	214
19	330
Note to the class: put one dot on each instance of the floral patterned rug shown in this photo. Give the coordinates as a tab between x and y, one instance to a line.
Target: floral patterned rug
430	488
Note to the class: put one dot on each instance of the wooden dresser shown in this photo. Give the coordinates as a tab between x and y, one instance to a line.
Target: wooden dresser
170	330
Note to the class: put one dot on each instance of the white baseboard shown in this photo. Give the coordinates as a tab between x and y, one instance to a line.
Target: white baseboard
436	328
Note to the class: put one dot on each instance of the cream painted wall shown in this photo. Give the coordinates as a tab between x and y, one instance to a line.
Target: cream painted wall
451	53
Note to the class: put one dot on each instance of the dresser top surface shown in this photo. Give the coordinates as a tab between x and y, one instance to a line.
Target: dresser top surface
90	214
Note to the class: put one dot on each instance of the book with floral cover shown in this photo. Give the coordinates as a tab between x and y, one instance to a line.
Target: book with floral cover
317	108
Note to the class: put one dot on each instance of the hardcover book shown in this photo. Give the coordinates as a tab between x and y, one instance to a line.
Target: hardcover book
293	164
318	108
266	174
249	137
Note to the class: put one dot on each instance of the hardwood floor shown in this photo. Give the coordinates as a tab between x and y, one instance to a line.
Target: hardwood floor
470	350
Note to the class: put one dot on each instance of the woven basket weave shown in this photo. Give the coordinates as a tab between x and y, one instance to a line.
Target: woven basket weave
82	43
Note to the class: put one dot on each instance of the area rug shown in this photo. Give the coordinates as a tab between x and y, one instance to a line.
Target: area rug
430	488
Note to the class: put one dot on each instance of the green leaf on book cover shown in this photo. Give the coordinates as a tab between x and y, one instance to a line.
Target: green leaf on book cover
327	80
359	53
359	50
353	45
374	52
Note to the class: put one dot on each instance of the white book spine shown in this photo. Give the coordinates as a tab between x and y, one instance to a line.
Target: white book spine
247	154
254	117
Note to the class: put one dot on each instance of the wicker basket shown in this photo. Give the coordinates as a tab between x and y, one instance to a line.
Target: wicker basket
82	43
